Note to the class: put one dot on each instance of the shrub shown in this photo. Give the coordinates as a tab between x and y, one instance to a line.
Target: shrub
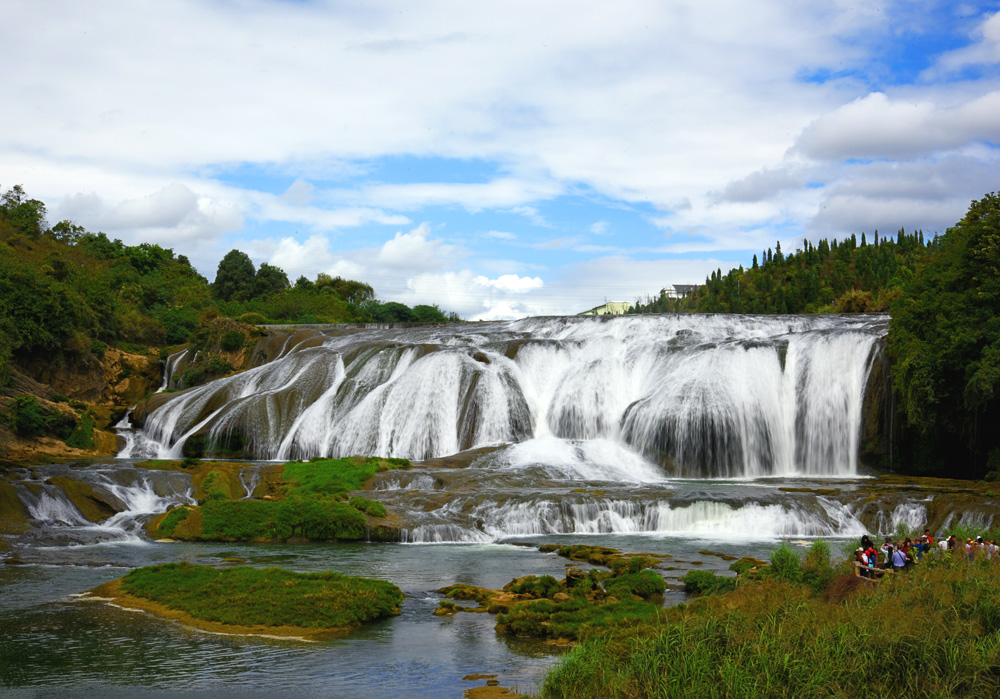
26	416
644	583
232	341
785	563
706	582
83	436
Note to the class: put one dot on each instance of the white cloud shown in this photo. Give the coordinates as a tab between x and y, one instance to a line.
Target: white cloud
985	50
511	282
500	235
172	213
412	251
299	192
142	119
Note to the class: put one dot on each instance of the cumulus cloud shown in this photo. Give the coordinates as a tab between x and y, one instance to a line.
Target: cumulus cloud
300	192
876	126
414	250
923	194
760	185
172	213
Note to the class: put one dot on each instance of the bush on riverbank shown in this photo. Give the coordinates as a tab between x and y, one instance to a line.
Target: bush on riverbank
270	596
932	632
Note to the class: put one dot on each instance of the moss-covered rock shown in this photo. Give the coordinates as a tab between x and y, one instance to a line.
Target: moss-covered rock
83	497
13	518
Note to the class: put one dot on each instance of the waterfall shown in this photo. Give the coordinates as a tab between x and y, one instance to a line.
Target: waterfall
690	396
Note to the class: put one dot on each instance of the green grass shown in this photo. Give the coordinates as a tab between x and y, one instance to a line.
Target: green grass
336	476
931	632
247	520
268	596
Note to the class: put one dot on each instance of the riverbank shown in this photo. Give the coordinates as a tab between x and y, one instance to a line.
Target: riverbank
931	632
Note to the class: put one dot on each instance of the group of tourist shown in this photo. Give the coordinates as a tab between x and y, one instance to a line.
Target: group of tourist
901	554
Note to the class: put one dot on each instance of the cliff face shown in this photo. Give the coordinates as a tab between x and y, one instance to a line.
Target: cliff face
879	426
92	393
118	378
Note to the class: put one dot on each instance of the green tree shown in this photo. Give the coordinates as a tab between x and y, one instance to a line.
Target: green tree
945	342
234	279
269	280
26	216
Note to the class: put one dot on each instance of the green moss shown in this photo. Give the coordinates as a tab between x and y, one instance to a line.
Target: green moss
247	520
643	584
13	518
269	596
545	586
170	522
307	501
575	618
336	476
369	507
83	498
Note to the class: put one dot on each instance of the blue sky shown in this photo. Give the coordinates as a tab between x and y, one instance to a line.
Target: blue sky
500	159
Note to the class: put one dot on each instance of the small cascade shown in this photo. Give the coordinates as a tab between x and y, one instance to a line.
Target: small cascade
171	374
134	495
685	396
135	443
49	503
250	477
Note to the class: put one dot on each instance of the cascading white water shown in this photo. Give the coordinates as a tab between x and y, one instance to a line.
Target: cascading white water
133	494
540	516
715	396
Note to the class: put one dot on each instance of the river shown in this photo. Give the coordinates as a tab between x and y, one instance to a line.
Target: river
696	437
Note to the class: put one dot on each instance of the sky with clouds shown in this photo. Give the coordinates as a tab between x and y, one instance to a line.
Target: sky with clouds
500	159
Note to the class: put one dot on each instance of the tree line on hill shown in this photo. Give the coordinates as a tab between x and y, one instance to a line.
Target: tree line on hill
829	277
67	293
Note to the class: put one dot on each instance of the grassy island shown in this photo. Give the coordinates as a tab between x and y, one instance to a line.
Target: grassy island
297	500
255	601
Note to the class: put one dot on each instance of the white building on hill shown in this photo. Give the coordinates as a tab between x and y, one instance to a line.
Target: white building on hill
611	308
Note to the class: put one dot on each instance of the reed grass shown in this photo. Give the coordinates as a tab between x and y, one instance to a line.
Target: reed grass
931	632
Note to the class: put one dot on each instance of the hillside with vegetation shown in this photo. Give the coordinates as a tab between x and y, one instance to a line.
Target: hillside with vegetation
84	319
849	276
